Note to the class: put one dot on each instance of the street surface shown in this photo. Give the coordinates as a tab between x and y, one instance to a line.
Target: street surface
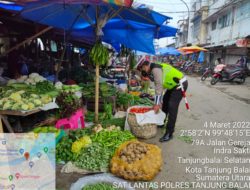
222	103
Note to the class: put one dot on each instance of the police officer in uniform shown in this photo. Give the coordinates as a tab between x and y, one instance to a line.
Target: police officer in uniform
167	78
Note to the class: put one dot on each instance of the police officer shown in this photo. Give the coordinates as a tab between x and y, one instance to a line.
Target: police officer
168	78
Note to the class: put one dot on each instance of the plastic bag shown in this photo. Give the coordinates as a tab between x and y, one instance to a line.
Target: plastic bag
146	118
71	168
145	168
93	179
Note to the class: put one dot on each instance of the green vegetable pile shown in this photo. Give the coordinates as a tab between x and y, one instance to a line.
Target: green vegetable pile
26	97
97	154
80	144
47	129
71	88
126	100
112	139
90	116
22	100
99	186
105	90
77	134
114	121
142	101
63	148
108	111
68	104
44	87
95	157
105	117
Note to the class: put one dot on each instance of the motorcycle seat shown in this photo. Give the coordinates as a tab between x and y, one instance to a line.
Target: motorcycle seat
232	70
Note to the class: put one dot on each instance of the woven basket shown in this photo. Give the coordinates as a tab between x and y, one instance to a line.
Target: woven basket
145	131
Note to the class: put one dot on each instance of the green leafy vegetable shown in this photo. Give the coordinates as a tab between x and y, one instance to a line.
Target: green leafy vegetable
108	111
96	157
63	150
68	104
114	121
44	87
99	186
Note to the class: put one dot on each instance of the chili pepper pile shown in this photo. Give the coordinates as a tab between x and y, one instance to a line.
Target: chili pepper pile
112	139
140	110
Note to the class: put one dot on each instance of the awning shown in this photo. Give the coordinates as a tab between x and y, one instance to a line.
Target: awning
222	44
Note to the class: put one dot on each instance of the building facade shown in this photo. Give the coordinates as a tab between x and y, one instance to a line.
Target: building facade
228	29
182	34
222	26
197	27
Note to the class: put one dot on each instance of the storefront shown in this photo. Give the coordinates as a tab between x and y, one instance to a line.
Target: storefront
230	53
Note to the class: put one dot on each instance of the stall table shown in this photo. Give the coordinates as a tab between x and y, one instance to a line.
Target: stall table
4	118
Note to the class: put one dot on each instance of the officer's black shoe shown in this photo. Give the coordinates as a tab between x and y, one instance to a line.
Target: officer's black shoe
166	137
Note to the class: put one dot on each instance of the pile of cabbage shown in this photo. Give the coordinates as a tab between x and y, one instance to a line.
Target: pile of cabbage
22	101
31	79
22	95
30	92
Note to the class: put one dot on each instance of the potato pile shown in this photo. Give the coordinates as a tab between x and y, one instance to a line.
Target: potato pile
133	152
135	160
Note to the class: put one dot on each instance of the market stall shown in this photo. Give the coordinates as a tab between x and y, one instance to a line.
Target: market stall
4	118
30	95
107	140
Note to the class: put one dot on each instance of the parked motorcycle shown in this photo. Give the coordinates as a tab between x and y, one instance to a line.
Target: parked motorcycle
248	68
207	73
183	65
187	67
224	73
178	64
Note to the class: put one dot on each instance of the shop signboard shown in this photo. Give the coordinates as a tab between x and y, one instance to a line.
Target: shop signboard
243	43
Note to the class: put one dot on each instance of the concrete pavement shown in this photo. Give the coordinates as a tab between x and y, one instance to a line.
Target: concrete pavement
240	92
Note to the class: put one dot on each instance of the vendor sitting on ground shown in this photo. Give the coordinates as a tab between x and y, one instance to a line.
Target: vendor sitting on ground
166	78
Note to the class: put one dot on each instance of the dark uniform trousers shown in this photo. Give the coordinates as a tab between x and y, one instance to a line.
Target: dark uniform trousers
171	101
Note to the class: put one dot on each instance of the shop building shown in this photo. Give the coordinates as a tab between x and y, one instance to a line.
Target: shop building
228	30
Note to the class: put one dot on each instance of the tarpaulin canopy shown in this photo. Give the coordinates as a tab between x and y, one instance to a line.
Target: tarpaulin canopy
165	31
134	35
11	7
134	28
76	16
168	51
201	57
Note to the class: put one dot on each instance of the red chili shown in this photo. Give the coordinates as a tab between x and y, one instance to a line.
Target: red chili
139	110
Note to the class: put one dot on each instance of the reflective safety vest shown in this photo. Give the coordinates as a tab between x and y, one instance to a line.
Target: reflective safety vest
169	73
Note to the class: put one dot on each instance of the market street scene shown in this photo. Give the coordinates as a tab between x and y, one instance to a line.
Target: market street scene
124	94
